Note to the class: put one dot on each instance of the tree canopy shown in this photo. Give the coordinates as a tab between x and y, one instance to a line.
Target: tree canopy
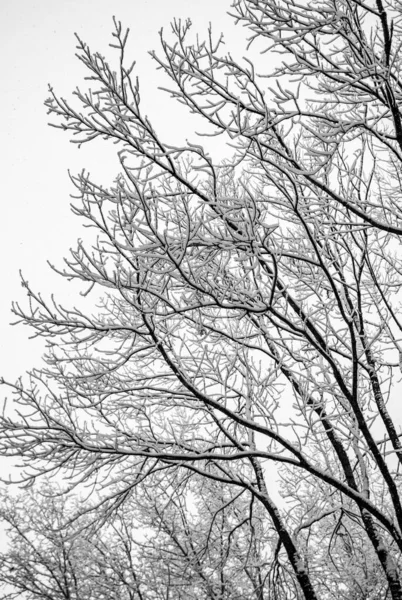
248	311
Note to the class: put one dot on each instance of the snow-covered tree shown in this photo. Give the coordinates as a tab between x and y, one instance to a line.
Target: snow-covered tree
174	540
249	312
49	556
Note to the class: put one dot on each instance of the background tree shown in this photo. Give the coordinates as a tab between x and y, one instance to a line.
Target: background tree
183	538
187	541
250	310
206	540
47	559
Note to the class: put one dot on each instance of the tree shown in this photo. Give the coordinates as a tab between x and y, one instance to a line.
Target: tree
204	540
47	560
340	558
162	546
250	313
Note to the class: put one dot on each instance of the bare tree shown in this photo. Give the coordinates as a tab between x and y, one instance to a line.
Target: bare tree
47	559
205	539
339	554
173	540
250	313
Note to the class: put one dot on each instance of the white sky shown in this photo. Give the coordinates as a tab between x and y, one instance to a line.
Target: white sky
37	46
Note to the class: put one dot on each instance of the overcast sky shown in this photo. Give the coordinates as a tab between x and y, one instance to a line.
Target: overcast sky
37	47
